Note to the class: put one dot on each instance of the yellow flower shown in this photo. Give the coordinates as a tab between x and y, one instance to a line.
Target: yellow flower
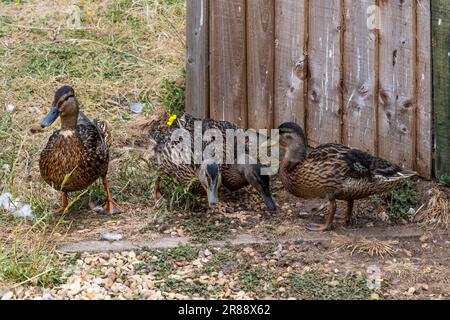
375	297
88	12
172	120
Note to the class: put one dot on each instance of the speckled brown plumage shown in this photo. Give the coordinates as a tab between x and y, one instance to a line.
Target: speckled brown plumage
165	149
81	152
234	176
333	171
78	154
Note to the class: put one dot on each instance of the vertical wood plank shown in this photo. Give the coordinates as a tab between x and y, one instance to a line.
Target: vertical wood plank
397	78
197	62
424	89
228	88
291	64
324	86
441	85
260	63
360	76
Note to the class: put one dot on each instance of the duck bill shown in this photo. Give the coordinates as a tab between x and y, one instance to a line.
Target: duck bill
270	203
213	197
50	118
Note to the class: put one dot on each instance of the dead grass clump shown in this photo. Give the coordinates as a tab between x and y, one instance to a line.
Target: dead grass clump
437	213
371	247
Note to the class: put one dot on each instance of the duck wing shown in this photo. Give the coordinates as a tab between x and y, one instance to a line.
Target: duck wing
94	135
365	165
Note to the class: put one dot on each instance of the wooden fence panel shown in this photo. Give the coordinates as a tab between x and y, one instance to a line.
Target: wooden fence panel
324	86
424	90
260	63
321	64
291	65
397	82
441	81
228	68
197	62
360	75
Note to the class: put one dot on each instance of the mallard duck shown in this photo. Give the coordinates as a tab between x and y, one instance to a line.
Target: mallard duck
77	154
334	172
172	161
234	176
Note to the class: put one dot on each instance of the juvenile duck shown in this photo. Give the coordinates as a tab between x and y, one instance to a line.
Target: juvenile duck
171	164
334	172
234	176
77	154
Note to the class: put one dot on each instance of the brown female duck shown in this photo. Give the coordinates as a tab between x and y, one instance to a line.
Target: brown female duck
77	154
184	170
333	171
234	176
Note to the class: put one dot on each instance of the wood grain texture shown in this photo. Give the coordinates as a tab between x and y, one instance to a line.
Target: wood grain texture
424	141
397	79
197	62
324	86
260	63
360	75
228	69
319	64
291	64
441	84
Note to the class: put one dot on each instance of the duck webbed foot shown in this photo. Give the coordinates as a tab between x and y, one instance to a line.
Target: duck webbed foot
347	216
315	227
64	204
111	206
329	223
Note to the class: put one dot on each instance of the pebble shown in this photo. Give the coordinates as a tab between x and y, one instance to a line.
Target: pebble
424	287
303	214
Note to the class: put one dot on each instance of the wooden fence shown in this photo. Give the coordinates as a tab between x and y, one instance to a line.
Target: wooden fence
356	72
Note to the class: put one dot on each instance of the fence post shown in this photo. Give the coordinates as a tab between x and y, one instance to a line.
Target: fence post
197	62
441	84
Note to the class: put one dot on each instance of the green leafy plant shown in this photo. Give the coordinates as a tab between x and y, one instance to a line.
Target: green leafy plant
445	181
399	201
174	94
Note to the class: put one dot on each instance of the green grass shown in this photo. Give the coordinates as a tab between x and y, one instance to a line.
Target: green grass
257	279
315	285
203	228
164	264
31	259
174	95
399	202
35	268
190	289
126	51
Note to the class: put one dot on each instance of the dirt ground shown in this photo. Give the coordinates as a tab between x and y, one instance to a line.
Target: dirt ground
415	266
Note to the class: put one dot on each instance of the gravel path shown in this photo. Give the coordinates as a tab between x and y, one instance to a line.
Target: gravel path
313	270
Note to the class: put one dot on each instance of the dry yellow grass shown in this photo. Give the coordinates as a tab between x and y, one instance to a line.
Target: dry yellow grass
371	247
124	51
437	213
